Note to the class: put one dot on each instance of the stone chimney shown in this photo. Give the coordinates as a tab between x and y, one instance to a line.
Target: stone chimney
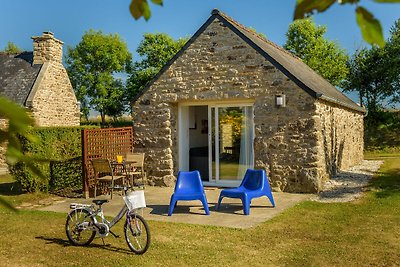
46	48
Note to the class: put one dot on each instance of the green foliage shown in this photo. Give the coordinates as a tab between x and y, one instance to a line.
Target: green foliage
260	34
306	40
375	73
60	151
370	27
368	77
392	49
19	123
382	131
12	48
139	8
155	50
91	66
114	123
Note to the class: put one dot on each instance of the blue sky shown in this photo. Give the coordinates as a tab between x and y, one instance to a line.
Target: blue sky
21	19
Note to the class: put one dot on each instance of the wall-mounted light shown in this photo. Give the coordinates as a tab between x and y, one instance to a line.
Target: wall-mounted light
280	100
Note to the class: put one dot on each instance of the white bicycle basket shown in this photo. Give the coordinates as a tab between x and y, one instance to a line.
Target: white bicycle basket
135	200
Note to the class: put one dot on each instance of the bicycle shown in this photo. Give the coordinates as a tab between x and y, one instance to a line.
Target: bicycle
82	223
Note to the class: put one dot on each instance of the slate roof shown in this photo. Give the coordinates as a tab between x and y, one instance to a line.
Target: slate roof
293	67
17	76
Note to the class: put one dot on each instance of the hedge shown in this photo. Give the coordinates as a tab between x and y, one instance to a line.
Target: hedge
60	148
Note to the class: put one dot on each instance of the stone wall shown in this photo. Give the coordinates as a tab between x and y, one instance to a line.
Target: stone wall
219	66
46	48
3	146
340	138
53	102
52	99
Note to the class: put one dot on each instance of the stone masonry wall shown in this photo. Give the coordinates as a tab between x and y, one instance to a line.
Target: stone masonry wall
46	48
54	103
219	66
52	100
340	138
3	146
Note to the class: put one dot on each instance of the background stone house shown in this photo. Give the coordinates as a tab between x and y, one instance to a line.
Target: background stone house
38	81
231	100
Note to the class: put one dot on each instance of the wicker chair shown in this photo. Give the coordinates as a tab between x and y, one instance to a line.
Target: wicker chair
134	164
103	172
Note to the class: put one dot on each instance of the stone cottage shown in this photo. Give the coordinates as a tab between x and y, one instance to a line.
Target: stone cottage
231	100
38	81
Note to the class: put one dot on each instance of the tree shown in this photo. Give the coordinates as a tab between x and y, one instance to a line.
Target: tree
368	69
392	48
116	103
12	48
375	73
91	66
155	50
306	40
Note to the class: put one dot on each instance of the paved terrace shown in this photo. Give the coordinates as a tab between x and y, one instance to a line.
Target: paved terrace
230	213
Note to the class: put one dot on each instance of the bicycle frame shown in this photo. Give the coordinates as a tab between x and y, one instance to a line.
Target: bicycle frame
116	219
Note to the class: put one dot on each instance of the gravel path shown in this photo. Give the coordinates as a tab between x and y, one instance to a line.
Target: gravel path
349	185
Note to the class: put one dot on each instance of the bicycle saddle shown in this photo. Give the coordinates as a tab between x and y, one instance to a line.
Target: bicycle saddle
100	201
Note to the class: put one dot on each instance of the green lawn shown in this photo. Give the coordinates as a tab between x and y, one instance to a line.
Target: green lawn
361	233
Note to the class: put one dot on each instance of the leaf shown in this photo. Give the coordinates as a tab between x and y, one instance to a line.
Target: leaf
134	9
139	8
342	2
157	2
371	29
305	7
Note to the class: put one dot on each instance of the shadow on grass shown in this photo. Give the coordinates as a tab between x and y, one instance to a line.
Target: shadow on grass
66	243
387	184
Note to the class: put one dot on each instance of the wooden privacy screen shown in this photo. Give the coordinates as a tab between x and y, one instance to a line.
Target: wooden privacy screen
104	144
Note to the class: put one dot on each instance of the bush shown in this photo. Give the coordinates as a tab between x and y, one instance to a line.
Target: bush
59	152
110	123
382	131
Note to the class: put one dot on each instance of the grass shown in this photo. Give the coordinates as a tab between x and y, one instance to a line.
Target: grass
361	233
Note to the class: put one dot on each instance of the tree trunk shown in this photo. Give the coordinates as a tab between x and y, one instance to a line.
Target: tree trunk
103	118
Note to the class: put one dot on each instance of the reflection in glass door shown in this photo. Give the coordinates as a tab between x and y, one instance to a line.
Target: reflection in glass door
230	142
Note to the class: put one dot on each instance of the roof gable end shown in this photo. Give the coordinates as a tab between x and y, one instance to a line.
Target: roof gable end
290	65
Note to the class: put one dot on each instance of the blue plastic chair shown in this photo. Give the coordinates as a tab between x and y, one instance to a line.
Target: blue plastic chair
188	187
255	184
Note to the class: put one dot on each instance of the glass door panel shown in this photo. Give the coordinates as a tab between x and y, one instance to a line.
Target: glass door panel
212	120
231	142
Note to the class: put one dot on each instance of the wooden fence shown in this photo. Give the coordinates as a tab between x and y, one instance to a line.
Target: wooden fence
103	143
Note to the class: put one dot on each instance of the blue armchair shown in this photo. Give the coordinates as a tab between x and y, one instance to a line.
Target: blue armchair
255	184
188	187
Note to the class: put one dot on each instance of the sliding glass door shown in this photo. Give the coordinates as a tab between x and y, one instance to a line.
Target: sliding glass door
230	142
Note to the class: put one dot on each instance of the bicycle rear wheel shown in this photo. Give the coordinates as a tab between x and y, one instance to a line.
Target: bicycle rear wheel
79	227
137	233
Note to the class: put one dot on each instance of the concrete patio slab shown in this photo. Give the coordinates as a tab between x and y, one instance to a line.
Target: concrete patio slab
229	215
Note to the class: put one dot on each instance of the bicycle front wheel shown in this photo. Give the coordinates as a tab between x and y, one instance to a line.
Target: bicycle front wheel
79	227
137	233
